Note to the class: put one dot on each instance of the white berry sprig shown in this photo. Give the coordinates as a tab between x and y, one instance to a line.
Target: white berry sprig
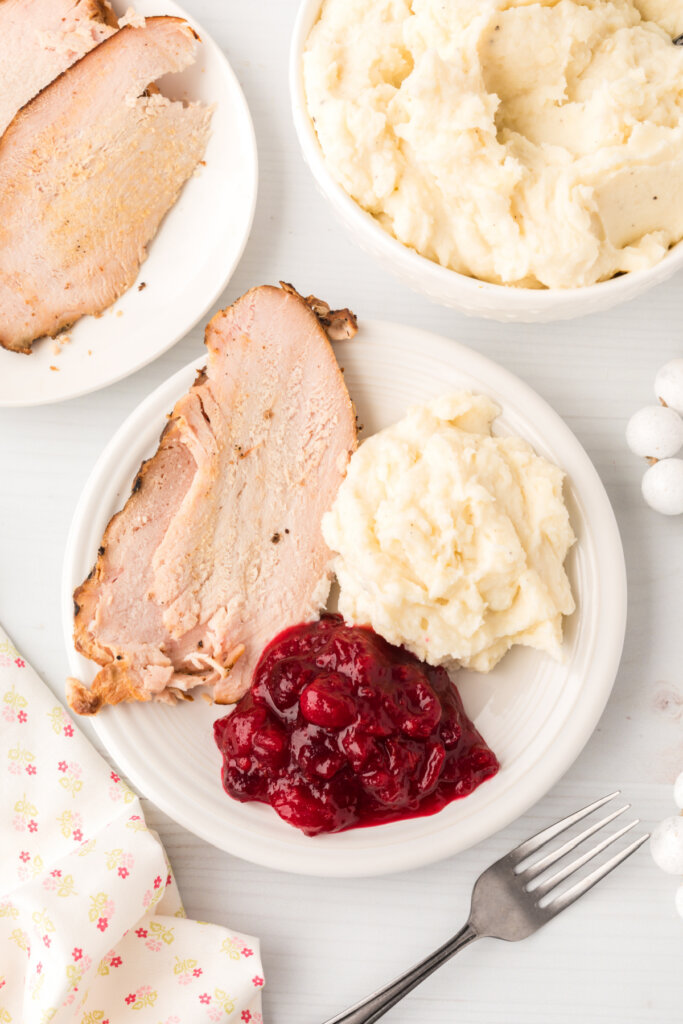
667	843
656	433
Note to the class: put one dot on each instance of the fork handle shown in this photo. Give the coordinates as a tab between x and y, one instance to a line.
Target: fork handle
375	1006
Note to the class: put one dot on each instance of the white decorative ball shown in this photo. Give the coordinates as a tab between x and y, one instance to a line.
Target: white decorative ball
662	487
669	385
678	792
666	845
655	432
679	899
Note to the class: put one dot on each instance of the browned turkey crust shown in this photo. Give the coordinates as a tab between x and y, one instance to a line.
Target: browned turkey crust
39	39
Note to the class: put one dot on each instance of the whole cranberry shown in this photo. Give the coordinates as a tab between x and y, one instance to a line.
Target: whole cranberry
317	754
327	701
270	745
283	683
237	731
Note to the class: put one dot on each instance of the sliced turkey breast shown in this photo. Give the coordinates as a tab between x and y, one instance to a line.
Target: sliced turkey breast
87	171
219	546
41	38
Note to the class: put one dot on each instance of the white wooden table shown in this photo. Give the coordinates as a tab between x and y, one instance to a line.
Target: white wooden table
617	955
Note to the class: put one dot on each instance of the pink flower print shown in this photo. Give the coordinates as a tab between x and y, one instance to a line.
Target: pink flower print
157	881
185	978
126	865
168	880
154	945
131	997
214	1013
25	856
102	924
135	817
246	1015
114	777
147	898
141	933
18	823
115	961
31	769
247	952
33	825
76	953
197	972
14	768
257	980
47	940
75	821
68	729
22	716
50	883
20	663
77	834
39	967
205	998
62	766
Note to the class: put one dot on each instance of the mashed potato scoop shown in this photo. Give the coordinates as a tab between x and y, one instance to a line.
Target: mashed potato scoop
451	541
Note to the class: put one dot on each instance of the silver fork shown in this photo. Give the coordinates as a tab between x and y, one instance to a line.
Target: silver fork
505	905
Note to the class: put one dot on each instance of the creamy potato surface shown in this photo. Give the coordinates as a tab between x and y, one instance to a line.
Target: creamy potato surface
530	144
451	541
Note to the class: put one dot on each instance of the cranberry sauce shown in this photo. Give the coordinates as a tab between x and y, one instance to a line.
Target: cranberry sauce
342	729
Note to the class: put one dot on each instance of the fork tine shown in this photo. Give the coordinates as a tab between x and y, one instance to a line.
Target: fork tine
541	838
568	897
550	883
539	866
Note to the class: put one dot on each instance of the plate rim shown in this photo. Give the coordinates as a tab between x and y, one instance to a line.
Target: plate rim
207	40
395	856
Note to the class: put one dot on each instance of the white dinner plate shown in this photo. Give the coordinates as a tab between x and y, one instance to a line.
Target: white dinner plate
190	261
534	712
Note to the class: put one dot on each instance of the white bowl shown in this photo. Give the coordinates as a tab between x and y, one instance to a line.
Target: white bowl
467	294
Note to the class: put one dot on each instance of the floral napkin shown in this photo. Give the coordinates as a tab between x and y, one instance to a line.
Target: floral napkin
92	929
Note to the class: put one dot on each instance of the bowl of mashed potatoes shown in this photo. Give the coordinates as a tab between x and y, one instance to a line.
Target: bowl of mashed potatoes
515	160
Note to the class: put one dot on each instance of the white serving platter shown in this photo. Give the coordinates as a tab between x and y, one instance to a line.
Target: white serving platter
534	712
190	261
